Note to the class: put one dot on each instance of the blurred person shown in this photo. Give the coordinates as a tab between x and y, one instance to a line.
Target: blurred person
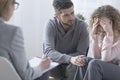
105	27
12	44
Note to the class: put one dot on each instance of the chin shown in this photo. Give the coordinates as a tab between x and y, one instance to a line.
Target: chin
7	18
70	24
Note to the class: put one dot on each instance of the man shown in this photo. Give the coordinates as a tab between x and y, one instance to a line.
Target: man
66	40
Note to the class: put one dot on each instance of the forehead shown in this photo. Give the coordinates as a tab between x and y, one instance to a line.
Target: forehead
105	18
102	18
67	11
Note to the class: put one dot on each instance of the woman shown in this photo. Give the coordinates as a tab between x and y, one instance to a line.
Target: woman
105	25
12	45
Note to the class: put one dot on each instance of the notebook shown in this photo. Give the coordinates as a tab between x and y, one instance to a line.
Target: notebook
35	62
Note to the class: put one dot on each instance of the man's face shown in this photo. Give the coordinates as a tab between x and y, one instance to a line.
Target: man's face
66	16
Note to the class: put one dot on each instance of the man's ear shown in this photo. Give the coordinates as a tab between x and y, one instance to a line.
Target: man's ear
56	15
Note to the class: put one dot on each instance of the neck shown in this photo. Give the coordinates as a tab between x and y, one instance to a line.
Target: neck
66	26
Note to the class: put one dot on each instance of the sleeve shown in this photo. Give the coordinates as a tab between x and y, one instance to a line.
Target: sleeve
19	59
96	46
49	45
83	45
106	52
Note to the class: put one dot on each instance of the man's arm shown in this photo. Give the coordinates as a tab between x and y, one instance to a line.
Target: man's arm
49	45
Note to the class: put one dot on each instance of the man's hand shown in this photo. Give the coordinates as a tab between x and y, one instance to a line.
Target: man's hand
78	60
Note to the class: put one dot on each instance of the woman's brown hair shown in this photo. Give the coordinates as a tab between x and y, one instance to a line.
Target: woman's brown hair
4	7
109	12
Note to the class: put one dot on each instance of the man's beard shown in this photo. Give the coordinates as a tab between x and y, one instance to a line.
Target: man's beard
67	24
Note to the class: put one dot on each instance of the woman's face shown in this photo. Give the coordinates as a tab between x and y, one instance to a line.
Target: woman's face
99	28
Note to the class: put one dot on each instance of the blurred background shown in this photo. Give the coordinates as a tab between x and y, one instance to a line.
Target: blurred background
32	15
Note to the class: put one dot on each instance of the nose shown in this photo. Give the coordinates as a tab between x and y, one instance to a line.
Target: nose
71	17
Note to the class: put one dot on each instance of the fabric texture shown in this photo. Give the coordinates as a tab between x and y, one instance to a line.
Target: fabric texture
12	48
60	45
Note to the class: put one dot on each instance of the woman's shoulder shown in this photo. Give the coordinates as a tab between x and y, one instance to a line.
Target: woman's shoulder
8	27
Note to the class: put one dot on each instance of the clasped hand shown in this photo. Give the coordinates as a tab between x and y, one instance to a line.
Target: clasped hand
78	60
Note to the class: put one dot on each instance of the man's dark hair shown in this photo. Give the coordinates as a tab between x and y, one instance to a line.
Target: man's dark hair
62	4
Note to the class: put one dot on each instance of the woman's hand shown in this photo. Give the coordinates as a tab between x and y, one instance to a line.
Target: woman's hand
45	63
94	33
106	24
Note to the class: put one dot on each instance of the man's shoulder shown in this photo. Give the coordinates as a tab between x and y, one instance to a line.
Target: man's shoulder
77	20
52	23
52	20
80	23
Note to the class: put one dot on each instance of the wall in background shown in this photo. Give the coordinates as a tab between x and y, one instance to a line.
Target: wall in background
32	15
86	7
